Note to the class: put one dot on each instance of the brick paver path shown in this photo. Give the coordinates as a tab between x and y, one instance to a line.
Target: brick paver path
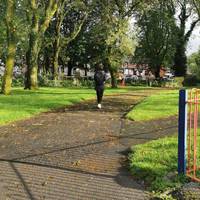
76	153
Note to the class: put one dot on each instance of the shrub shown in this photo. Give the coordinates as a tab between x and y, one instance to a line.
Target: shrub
67	83
190	80
43	80
18	82
70	82
1	81
87	83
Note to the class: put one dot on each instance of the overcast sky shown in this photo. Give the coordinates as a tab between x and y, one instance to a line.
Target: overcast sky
194	42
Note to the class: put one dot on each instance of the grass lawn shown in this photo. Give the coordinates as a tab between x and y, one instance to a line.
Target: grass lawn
159	105
24	104
156	163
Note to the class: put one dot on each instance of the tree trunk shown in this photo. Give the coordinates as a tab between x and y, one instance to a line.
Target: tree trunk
113	72
70	66
46	61
157	71
36	36
60	14
113	79
27	72
11	49
8	74
180	60
33	51
57	45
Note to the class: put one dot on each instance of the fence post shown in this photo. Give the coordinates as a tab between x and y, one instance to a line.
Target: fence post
182	131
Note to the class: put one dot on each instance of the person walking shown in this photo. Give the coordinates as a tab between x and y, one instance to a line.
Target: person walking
99	78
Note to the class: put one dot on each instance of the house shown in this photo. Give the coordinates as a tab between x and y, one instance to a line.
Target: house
131	69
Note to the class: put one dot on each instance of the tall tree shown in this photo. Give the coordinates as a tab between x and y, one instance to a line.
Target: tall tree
38	28
105	36
112	30
11	46
71	17
183	35
156	36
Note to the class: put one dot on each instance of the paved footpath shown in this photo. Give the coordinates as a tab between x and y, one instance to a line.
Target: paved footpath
77	152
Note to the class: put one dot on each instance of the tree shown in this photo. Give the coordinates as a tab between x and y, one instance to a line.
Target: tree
156	36
11	46
2	28
186	12
105	36
194	63
196	4
120	46
112	32
71	17
38	27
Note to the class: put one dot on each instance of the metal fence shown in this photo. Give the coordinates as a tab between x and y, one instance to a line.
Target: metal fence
189	134
193	135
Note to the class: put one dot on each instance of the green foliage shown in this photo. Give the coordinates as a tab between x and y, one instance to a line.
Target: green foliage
179	81
18	82
46	81
186	12
156	36
22	104
196	4
194	63
190	80
2	28
163	104
1	79
121	43
156	163
106	35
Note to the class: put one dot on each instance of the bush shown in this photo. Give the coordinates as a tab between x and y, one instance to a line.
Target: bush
43	80
18	82
67	83
1	80
190	80
87	83
70	82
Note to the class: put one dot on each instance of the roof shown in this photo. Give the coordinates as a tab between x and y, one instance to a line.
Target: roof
133	66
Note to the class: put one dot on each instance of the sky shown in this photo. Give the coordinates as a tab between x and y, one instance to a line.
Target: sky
194	42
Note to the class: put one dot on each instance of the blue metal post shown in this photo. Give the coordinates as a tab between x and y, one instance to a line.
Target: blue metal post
182	131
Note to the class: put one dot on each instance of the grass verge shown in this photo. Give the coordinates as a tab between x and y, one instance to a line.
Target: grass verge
24	104
155	163
160	105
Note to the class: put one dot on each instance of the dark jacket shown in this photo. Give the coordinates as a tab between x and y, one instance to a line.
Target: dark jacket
99	78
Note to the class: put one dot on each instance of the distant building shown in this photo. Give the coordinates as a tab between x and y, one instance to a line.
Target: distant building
130	69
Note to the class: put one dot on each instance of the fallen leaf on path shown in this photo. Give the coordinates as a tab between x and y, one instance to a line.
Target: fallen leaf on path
76	163
37	124
44	183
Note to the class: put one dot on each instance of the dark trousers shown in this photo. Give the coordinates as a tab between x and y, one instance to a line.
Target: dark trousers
99	91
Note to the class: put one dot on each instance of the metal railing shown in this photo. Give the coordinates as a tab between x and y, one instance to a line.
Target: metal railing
193	135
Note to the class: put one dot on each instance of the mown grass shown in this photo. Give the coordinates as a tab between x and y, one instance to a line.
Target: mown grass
160	105
24	104
156	164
